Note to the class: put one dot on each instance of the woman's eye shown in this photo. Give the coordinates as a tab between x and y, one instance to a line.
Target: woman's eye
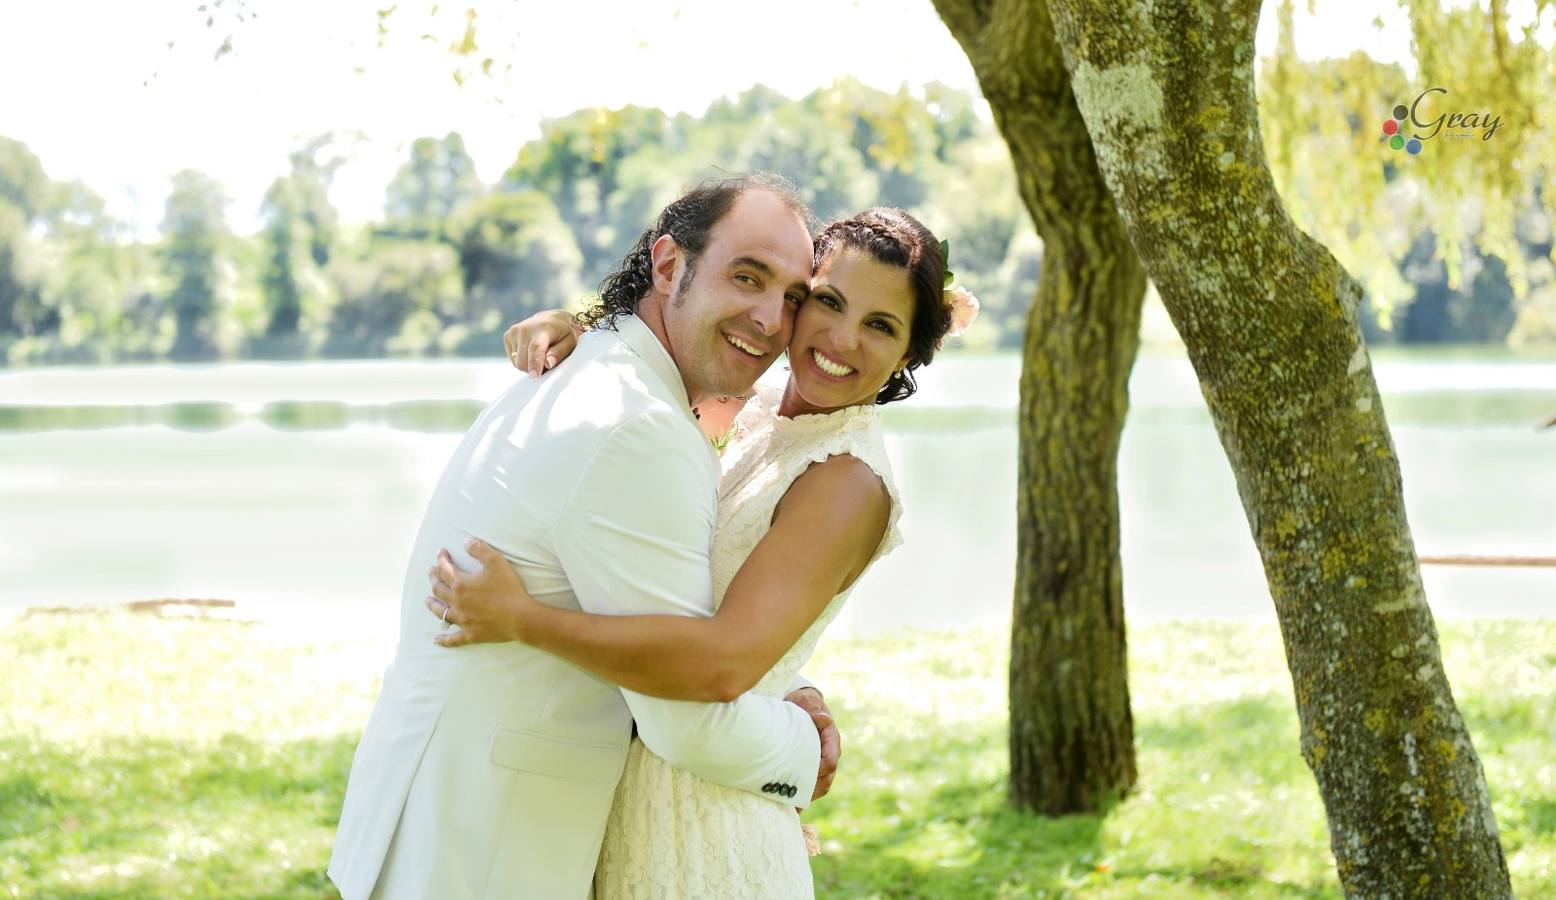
883	327
828	299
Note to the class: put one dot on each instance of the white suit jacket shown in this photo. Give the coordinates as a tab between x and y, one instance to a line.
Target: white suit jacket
488	771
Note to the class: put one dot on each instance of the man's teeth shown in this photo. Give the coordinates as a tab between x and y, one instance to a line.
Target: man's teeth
742	345
830	367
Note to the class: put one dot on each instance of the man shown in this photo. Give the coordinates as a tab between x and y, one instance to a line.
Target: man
490	771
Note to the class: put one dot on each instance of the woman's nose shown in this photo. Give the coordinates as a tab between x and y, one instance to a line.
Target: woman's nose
844	337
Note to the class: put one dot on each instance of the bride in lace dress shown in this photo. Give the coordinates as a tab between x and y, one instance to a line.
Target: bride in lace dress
806	504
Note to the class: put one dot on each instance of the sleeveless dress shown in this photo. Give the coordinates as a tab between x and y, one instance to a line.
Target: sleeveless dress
671	834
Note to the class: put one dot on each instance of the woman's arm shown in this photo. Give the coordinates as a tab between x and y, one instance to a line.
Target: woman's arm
824	532
541	341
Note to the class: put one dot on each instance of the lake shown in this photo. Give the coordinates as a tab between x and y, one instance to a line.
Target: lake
295	489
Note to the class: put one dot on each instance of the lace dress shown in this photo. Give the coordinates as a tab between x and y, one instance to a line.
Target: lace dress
670	833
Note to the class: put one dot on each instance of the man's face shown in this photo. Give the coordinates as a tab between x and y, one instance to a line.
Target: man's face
728	321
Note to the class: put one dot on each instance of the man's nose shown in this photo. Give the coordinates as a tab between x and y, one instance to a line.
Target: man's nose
768	313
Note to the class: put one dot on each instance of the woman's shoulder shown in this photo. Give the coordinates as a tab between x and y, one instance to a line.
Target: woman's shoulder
848	480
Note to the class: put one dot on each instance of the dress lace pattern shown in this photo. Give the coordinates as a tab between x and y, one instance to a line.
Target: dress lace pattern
670	833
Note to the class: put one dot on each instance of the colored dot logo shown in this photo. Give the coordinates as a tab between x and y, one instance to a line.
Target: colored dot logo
1392	128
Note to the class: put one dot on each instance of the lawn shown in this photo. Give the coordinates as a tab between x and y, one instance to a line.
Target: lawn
156	756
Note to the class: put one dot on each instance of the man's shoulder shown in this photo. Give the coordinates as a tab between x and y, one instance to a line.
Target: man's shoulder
605	365
607	389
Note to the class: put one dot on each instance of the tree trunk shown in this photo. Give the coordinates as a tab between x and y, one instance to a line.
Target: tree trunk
1071	729
1270	321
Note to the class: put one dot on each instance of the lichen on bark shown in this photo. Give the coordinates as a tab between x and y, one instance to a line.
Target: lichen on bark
1269	319
1071	727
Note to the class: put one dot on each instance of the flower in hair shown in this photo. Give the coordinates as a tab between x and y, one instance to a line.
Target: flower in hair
962	305
964	309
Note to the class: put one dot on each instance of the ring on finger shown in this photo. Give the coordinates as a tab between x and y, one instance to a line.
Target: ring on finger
444	617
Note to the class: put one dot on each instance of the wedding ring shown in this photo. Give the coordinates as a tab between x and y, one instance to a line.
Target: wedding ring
445	615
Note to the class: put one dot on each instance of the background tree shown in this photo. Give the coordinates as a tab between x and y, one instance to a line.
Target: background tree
517	258
577	162
90	268
194	226
439	176
397	298
299	237
283	240
1270	321
23	191
1071	727
313	169
23	184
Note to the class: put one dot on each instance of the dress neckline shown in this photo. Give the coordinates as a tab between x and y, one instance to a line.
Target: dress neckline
816	423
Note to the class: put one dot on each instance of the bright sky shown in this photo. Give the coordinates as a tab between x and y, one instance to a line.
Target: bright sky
96	92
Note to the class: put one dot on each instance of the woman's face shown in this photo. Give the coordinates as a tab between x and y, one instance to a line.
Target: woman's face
850	334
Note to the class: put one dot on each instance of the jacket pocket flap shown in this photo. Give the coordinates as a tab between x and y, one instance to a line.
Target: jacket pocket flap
556	757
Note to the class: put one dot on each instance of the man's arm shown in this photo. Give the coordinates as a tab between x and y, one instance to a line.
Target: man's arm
634	541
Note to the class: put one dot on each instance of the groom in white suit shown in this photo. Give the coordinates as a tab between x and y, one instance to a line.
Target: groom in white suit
489	772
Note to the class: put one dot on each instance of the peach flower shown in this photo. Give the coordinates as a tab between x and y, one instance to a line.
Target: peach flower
964	309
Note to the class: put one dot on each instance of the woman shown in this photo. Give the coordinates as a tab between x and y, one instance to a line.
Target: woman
806	505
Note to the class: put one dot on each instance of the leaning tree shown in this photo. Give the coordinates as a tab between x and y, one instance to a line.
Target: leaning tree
1270	321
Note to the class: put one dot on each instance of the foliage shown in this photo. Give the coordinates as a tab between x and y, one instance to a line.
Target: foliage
389	293
160	757
195	226
1453	244
439	177
516	255
1472	193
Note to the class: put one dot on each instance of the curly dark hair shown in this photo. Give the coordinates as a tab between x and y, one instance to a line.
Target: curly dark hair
894	238
689	219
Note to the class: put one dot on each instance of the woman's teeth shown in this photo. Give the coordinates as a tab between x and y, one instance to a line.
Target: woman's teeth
830	367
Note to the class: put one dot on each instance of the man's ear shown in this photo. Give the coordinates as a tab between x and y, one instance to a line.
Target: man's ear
667	260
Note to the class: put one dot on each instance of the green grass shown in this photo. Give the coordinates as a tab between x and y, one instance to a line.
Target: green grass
165	757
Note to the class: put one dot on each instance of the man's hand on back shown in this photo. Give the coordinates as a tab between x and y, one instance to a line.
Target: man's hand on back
810	700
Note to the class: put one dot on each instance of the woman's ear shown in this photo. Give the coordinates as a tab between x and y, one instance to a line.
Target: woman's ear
666	258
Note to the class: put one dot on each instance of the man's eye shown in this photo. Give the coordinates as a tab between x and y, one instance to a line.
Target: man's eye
745	278
796	299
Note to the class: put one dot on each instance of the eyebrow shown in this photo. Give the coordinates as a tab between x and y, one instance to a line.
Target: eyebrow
751	262
889	315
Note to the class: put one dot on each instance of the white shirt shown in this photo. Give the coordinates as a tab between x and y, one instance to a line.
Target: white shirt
488	770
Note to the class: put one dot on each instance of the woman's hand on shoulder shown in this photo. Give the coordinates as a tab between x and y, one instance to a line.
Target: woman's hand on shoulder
540	342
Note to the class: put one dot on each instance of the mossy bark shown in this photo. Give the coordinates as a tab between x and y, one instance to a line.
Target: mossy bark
1269	318
1071	728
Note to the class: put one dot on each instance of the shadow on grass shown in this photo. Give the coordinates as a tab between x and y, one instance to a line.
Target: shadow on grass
956	839
130	817
918	813
941	825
